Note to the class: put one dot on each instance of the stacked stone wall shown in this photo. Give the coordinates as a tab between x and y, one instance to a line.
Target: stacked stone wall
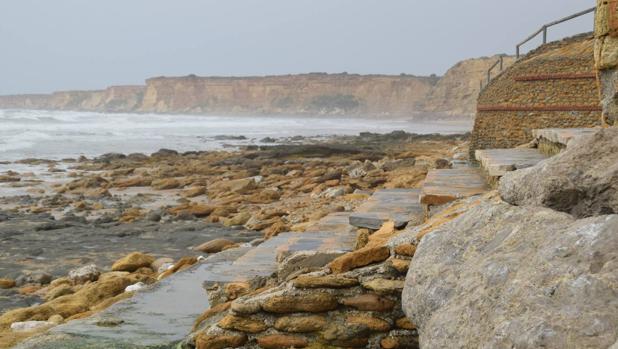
554	86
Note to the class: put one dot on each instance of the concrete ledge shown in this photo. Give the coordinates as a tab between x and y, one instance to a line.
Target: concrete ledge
497	162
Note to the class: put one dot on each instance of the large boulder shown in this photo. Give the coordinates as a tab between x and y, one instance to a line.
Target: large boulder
582	180
501	276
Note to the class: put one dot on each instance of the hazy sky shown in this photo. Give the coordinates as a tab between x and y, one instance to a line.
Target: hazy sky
50	45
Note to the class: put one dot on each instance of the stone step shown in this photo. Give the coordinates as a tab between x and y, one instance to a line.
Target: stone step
497	162
444	186
551	141
399	205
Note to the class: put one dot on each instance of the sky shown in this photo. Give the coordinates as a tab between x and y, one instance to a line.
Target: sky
76	44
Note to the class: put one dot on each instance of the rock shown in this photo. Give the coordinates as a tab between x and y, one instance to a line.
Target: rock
384	286
290	263
359	258
135	287
582	180
498	271
369	322
239	186
369	302
405	323
327	281
401	265
7	283
243	324
84	274
238	220
300	324
405	250
163	153
193	192
220	341
29	326
214	246
56	319
162	264
310	302
109	322
59	291
399	341
331	193
278	341
166	184
442	164
132	262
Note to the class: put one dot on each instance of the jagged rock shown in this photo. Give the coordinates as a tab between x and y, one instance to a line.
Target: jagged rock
501	276
582	180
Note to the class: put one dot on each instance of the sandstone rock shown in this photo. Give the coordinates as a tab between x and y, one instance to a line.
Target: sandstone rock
243	324
236	289
59	291
132	262
193	192
370	322
582	180
499	271
56	319
405	324
7	283
162	264
238	220
166	184
359	258
137	181
300	324
326	281
306	261
214	246
369	302
401	265
135	287
346	335
240	186
278	341
310	302
405	250
84	274
222	341
384	286
399	342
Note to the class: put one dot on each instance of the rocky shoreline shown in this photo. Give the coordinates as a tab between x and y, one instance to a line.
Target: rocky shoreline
168	204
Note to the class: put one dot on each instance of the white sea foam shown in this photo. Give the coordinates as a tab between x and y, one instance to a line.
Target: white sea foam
60	134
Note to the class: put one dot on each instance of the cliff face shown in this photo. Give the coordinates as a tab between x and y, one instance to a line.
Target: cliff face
307	94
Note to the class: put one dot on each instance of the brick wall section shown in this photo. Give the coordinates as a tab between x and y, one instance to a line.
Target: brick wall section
553	86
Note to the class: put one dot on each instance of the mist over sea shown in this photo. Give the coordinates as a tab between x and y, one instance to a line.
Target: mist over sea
60	134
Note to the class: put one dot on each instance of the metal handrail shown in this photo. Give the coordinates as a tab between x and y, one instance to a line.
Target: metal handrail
548	25
534	35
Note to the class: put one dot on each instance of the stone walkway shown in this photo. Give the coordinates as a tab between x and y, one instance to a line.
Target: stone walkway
399	205
497	162
443	186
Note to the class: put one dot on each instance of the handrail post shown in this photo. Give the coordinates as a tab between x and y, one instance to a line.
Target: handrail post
501	62
517	52
544	34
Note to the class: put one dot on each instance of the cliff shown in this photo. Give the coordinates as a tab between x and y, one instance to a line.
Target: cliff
453	95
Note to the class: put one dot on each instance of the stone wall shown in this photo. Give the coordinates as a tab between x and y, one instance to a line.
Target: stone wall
553	86
606	57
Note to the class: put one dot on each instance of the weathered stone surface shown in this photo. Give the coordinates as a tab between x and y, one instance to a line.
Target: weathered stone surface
84	274
311	302
384	286
359	258
501	276
582	180
300	324
326	281
497	162
220	341
443	186
243	324
370	322
369	302
214	246
132	262
398	205
405	250
278	341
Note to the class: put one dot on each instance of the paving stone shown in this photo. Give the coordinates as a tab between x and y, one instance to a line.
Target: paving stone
399	205
443	186
497	162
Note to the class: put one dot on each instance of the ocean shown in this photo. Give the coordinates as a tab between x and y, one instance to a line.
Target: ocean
57	135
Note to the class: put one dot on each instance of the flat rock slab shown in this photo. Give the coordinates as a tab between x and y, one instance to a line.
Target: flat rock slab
338	222
443	186
399	205
497	162
562	135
